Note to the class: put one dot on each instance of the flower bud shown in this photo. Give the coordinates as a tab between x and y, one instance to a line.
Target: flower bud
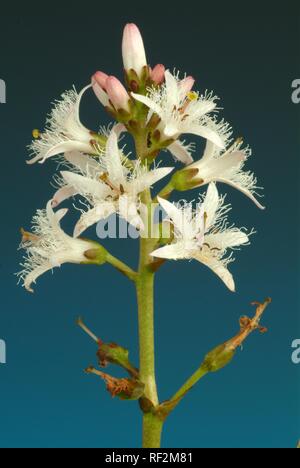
100	78
117	93
157	74
187	84
133	51
98	84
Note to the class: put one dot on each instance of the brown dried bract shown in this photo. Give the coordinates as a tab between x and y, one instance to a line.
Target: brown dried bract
248	325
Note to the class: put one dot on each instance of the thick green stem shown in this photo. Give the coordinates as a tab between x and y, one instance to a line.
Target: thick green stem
152	429
145	283
152	425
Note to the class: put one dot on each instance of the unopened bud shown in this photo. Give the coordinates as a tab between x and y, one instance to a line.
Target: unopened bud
133	50
100	78
157	74
98	84
117	94
187	84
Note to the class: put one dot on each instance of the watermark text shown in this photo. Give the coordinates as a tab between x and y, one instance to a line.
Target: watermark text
296	352
2	352
2	92
296	92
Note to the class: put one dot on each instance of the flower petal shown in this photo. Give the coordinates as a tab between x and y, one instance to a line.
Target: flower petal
148	179
82	161
113	161
205	132
210	205
172	89
148	102
92	216
218	268
77	105
34	274
62	194
180	152
174	213
129	211
243	190
63	147
226	239
174	251
86	185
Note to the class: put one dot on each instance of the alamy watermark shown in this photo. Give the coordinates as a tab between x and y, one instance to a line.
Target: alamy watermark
134	225
2	352
296	352
296	93
2	92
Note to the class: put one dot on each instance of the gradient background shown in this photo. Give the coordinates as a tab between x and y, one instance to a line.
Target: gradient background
249	57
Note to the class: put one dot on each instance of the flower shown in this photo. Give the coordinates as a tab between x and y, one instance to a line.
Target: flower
203	235
157	74
133	51
110	185
110	92
48	246
225	166
180	110
64	132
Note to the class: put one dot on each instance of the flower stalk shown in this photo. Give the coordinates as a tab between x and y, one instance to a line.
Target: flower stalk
155	108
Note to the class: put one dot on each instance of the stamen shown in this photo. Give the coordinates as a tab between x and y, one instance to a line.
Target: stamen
192	95
105	179
36	133
28	236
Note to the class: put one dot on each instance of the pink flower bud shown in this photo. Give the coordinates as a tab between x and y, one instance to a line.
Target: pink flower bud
133	51
186	84
100	77
117	93
158	73
97	84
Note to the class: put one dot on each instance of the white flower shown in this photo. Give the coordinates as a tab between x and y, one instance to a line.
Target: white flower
108	185
180	110
226	166
64	132
203	235
48	246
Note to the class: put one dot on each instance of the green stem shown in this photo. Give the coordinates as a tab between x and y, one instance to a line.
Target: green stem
152	425
152	429
201	372
145	290
121	266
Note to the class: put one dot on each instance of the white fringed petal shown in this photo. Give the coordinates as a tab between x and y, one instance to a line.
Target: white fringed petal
218	268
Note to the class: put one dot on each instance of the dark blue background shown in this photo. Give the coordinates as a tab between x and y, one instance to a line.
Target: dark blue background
249	57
